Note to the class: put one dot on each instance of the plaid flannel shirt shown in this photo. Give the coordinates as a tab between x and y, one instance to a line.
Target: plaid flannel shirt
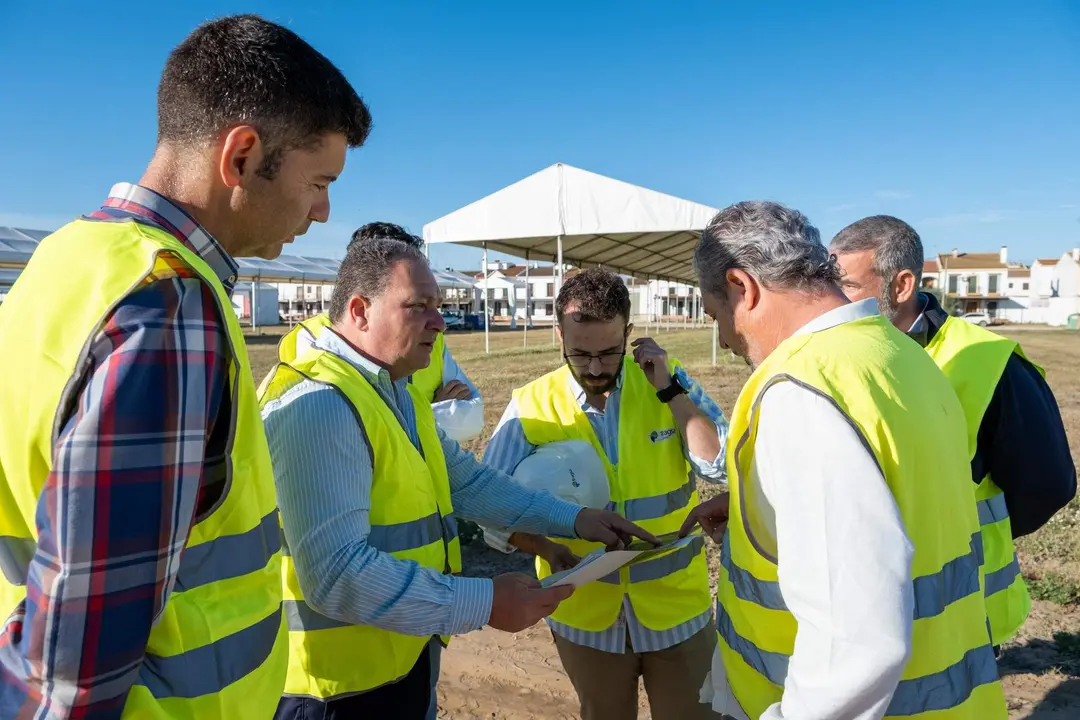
147	437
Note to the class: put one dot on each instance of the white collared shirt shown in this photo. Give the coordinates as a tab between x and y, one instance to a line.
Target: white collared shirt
844	557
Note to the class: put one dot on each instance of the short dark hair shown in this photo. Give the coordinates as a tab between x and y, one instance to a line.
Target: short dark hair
242	69
365	271
596	293
387	231
895	245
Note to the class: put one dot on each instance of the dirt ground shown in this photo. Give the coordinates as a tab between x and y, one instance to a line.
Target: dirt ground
497	676
489	675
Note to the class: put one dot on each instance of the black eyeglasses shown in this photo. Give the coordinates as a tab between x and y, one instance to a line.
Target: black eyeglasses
583	360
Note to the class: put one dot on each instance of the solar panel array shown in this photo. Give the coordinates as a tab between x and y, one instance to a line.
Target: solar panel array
18	244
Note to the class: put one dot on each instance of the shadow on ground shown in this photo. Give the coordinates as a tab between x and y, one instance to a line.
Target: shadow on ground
1060	703
1038	656
1050	671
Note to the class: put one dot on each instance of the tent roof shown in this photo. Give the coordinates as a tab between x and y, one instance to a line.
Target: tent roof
18	244
8	276
288	268
602	221
451	279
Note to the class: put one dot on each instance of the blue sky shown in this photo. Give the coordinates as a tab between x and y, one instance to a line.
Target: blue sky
962	118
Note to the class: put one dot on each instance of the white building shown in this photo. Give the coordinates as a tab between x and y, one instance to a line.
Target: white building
1064	299
662	299
263	303
507	288
978	282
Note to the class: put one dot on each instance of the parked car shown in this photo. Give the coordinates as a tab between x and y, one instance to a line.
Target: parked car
977	318
453	321
458	320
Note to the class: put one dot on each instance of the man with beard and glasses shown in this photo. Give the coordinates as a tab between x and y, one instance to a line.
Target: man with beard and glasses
1021	460
849	582
369	488
655	431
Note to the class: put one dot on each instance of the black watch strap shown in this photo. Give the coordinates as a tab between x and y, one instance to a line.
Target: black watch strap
671	391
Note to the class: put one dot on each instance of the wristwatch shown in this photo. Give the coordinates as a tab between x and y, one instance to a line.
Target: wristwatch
668	394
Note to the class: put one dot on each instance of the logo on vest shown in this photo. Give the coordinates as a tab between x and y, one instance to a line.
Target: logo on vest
661	435
573	478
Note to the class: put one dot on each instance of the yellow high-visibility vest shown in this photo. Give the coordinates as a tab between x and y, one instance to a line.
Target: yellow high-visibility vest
653	486
411	519
218	649
428	380
909	418
973	359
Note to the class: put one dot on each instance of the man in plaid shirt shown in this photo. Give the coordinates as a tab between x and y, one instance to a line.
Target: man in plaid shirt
100	537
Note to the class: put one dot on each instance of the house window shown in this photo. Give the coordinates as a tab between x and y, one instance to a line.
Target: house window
993	284
952	284
551	289
972	284
1025	286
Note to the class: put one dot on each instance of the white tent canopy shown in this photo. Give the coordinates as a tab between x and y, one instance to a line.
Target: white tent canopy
601	221
568	215
452	280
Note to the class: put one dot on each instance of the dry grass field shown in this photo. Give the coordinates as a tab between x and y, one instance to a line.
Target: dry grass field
492	675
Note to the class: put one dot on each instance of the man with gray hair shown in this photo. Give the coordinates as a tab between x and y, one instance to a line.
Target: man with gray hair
368	487
842	593
1021	460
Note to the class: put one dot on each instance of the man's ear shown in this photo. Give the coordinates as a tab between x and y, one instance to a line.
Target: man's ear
242	154
629	331
742	288
904	286
356	312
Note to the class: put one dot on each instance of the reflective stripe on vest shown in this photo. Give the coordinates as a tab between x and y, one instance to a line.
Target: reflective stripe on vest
657	491
947	673
974	359
411	518
218	648
957	579
939	691
200	671
992	509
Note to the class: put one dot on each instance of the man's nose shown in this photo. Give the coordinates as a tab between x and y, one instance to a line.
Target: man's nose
437	322
320	211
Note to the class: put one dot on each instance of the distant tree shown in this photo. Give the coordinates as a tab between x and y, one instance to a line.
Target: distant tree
947	302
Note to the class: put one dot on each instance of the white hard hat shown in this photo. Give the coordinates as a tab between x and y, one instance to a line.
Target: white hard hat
569	469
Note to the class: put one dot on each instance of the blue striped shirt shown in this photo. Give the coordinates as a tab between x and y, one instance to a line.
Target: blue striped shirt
314	438
508	447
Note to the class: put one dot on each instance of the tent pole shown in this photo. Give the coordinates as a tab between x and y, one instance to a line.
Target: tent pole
686	309
487	346
648	301
254	294
667	307
558	287
528	317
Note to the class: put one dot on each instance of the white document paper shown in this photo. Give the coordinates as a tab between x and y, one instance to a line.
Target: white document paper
600	563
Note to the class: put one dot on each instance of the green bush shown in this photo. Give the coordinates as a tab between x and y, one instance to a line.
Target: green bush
1055	588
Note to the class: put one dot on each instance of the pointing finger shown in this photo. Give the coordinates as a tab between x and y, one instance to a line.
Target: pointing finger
630	528
688	524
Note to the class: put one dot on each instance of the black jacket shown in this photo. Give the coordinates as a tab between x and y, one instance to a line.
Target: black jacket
1022	442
